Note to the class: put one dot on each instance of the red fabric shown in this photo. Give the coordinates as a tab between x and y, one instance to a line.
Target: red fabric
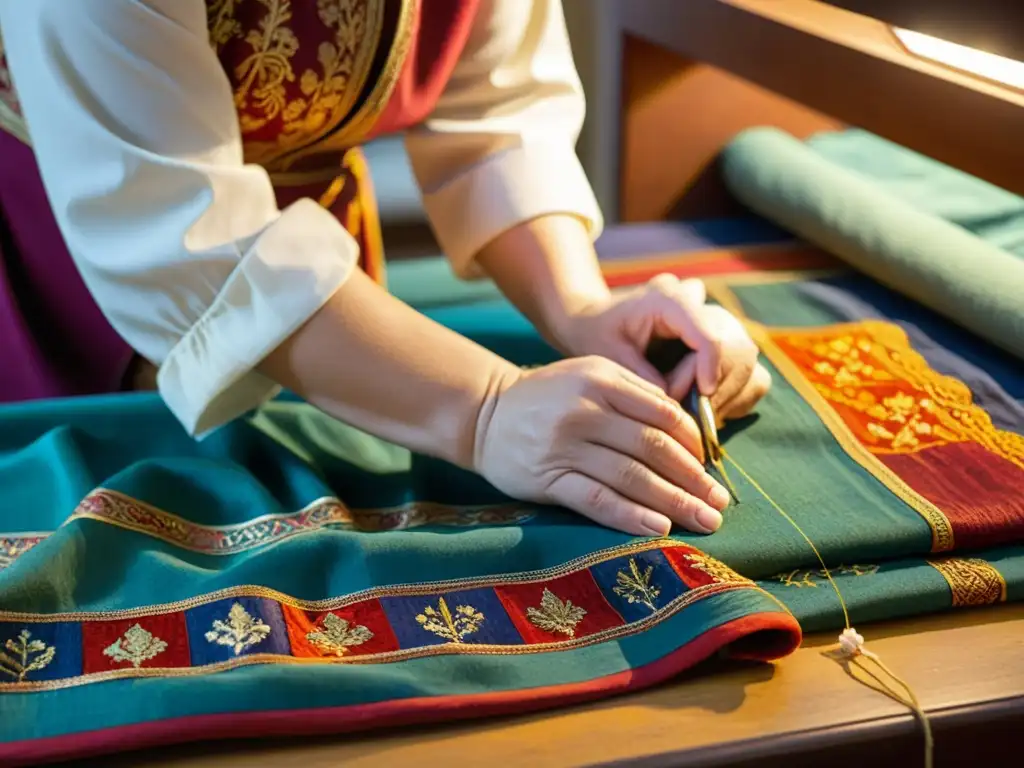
368	613
442	29
725	261
579	588
97	636
978	491
781	632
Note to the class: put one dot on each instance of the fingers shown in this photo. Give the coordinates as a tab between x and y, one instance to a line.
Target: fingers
601	504
664	456
642	403
756	387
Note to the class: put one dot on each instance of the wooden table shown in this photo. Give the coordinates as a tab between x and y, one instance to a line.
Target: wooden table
966	667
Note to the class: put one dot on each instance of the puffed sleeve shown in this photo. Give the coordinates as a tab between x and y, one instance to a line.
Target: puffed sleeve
182	245
499	148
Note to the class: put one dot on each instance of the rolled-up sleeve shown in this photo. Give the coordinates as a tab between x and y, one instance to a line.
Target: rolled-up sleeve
180	242
499	148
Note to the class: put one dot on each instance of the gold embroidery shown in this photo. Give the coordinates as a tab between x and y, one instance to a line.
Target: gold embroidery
555	615
135	646
25	655
452	627
672	608
635	587
941	528
871	368
971	581
115	508
716	569
813	578
337	635
239	632
334	604
266	77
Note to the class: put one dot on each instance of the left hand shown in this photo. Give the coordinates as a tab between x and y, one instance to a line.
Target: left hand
725	364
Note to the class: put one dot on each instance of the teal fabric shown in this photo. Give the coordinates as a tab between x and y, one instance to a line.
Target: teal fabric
935	262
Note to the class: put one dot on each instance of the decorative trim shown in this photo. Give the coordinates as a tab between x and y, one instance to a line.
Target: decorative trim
972	581
123	511
615	593
400	712
14	545
355	129
941	528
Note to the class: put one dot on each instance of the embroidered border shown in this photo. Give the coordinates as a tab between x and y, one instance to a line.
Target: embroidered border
118	509
14	545
972	581
604	596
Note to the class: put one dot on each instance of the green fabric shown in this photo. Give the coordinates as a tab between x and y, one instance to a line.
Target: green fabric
935	262
430	282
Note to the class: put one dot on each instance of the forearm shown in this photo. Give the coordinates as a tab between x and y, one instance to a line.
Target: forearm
548	268
372	361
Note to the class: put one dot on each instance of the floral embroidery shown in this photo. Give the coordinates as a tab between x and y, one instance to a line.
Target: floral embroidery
14	545
554	615
337	635
239	632
901	405
452	627
25	655
636	587
815	577
280	110
716	569
135	646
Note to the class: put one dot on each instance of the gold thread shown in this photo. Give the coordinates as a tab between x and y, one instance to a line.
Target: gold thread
972	581
336	635
670	609
556	615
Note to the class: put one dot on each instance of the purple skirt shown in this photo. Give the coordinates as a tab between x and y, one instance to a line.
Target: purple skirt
54	341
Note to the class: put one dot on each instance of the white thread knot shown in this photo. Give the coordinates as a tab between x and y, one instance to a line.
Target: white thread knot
851	643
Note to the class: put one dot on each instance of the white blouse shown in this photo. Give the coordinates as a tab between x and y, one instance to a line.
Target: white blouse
183	246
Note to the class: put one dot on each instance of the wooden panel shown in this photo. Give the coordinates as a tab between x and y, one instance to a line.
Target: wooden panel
677	116
966	667
849	67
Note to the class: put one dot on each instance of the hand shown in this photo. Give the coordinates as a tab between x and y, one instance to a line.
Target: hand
725	364
589	435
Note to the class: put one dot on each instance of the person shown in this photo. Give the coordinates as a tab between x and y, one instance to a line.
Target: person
192	153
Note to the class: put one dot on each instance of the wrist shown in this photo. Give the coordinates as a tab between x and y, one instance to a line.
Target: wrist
499	383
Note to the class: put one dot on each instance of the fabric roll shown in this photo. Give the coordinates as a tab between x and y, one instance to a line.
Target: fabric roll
942	266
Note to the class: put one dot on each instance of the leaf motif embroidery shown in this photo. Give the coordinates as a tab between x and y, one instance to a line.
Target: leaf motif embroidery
239	632
337	635
135	646
452	627
555	615
635	587
25	655
719	572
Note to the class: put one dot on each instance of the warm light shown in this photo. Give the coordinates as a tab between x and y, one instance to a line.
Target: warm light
971	60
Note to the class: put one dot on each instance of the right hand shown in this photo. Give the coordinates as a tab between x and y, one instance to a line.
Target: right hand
589	435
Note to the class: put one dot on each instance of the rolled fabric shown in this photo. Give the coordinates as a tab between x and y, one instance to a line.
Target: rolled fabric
939	264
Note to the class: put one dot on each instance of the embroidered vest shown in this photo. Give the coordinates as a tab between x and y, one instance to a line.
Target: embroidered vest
314	79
